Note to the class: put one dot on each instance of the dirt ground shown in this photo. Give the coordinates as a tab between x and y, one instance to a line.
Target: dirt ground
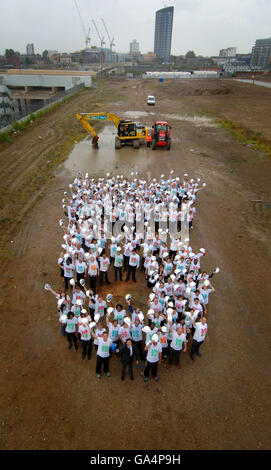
50	397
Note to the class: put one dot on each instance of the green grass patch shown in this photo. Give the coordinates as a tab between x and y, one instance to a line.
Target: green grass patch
246	136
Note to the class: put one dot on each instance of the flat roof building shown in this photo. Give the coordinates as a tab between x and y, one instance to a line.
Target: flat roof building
163	33
134	47
261	53
30	49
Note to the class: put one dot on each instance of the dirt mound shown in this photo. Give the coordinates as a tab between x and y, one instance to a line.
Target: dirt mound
195	88
208	91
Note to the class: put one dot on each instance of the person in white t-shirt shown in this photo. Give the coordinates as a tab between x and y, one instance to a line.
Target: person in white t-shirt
93	271
163	339
118	264
200	334
113	329
104	267
80	267
154	357
205	291
100	306
133	265
71	330
86	338
68	268
103	353
177	345
136	333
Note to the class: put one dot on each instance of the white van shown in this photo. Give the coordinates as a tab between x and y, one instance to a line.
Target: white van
151	100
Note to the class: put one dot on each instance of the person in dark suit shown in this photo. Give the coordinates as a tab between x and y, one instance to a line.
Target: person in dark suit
127	354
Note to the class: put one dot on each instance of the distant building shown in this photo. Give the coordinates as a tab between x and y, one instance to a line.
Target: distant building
30	49
51	53
148	58
237	63
6	106
134	47
163	33
229	52
261	53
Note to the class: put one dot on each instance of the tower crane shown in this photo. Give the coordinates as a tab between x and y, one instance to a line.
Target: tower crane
87	37
102	43
111	41
101	39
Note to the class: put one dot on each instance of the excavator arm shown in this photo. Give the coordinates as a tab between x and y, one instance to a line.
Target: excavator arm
85	123
86	118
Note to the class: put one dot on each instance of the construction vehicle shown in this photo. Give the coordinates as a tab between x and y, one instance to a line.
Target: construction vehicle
161	135
129	133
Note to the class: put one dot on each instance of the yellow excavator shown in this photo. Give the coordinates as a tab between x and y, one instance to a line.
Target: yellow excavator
129	133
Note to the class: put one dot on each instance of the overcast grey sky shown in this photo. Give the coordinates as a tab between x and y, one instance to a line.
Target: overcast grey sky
205	26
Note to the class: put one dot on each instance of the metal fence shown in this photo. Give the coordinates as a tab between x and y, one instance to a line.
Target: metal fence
22	109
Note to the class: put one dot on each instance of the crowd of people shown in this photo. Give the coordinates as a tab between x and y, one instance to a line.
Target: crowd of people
115	228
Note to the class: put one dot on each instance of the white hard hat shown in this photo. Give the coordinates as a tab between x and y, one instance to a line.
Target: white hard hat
151	296
146	329
96	317
79	302
127	320
164	329
128	297
72	282
141	316
155	338
110	310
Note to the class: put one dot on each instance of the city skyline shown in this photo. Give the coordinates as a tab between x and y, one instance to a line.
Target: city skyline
205	26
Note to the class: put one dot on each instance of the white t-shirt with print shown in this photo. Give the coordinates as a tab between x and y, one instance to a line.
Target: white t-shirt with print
104	347
177	341
113	332
200	331
71	325
153	352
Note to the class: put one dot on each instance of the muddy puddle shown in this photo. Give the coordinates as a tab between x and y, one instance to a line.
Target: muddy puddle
96	162
197	120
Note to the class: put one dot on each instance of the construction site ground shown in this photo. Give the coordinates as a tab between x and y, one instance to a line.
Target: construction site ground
50	397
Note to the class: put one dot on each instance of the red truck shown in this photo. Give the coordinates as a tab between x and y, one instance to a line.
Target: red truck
161	135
